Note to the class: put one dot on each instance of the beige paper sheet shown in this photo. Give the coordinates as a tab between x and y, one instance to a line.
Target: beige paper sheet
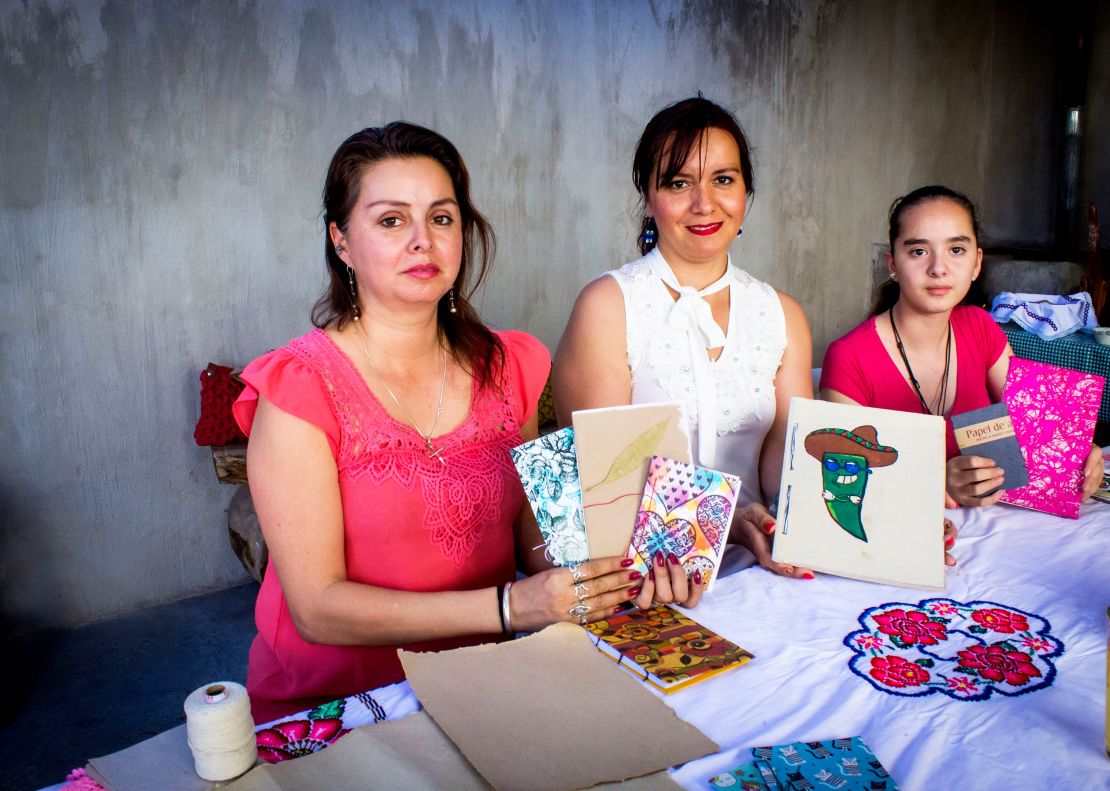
901	510
409	753
614	446
163	762
549	712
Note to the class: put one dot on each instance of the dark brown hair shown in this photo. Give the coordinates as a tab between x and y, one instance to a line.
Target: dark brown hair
470	341
671	135
888	292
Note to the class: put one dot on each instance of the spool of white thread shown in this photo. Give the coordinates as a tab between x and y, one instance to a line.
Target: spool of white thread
220	730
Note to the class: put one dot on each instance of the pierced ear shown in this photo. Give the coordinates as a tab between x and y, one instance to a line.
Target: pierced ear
337	240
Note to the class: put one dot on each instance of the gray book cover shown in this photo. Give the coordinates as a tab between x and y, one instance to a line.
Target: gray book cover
988	432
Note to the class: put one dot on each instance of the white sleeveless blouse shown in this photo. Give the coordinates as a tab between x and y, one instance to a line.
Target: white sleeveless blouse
742	399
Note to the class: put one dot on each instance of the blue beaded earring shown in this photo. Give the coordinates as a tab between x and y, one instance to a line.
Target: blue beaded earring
740	232
647	234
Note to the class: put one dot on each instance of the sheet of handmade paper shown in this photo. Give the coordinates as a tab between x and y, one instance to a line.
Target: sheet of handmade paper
550	712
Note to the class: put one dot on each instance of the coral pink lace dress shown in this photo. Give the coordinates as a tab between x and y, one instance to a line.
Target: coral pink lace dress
410	522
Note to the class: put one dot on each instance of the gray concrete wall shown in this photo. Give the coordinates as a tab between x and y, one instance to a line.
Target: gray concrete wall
159	204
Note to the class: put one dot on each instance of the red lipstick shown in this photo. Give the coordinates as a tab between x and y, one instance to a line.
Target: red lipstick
704	230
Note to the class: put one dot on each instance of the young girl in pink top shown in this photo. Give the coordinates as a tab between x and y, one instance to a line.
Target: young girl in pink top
923	350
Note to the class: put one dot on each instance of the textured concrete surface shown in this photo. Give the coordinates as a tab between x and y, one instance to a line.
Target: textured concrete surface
161	166
71	695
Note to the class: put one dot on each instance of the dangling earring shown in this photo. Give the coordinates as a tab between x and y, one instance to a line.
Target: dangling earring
354	291
740	232
893	275
648	232
451	300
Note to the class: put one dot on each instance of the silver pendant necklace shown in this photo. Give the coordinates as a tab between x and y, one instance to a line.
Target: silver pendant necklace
433	452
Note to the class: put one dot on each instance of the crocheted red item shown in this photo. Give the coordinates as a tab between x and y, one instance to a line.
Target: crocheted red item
218	391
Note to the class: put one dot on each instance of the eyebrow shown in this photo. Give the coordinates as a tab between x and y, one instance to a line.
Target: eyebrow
950	239
404	204
686	174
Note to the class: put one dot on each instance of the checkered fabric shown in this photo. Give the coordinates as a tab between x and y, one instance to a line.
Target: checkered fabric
1077	351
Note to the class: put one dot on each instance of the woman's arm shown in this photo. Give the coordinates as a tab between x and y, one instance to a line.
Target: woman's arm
996	374
294	485
591	363
794	378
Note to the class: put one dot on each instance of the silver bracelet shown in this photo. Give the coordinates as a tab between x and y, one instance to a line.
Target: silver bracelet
506	619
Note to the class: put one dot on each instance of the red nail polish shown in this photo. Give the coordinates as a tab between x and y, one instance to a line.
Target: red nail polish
651	574
618	610
672	558
633	592
949	542
697	577
634	575
769	527
627	562
807	576
659	559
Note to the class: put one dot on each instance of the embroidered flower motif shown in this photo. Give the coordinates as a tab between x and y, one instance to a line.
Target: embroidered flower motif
998	620
869	642
897	672
907	628
937	646
1036	644
295	738
962	684
943	608
995	663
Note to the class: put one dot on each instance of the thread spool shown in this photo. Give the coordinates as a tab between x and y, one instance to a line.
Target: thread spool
220	730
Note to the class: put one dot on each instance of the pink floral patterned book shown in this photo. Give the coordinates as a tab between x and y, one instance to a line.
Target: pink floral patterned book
1054	411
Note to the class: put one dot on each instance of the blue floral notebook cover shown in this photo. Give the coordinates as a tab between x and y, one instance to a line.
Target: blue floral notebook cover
548	468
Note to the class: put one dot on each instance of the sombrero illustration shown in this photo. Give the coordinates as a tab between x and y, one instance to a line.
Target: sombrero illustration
847	458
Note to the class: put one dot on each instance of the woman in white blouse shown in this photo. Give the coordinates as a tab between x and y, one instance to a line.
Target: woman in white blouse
682	324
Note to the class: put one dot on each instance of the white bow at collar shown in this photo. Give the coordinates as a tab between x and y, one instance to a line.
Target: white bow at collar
691	313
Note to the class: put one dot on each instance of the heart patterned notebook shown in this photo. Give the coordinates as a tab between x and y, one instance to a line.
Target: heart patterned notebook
666	648
686	511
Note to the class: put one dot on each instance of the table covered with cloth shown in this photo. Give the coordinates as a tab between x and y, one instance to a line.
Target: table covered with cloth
997	682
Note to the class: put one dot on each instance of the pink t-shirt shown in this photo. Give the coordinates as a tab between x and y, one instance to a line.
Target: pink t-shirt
858	366
410	522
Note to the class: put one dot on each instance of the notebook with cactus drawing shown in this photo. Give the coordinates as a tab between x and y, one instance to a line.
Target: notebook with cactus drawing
614	446
862	494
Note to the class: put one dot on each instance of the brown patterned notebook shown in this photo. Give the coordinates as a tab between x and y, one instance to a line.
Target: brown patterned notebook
665	648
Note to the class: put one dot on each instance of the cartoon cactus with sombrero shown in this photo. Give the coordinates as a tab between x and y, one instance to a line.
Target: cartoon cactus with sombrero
847	458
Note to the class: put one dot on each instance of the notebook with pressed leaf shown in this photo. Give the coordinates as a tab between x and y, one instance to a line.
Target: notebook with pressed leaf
614	446
666	648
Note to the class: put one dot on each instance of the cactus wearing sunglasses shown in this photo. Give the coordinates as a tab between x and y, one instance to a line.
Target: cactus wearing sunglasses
847	459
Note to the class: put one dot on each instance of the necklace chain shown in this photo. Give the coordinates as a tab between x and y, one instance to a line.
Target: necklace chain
432	451
913	379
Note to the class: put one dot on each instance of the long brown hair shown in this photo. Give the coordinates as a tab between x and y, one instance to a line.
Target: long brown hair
471	342
887	294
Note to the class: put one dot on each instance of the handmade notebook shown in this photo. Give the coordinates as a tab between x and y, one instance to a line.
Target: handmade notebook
665	648
989	432
686	511
1054	411
549	471
613	447
841	764
862	494
1103	493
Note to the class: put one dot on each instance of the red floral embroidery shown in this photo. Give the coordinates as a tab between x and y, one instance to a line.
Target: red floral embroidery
1001	621
895	671
911	627
995	663
287	740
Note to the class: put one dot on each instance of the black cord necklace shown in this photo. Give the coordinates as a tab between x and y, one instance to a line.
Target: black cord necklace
909	370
